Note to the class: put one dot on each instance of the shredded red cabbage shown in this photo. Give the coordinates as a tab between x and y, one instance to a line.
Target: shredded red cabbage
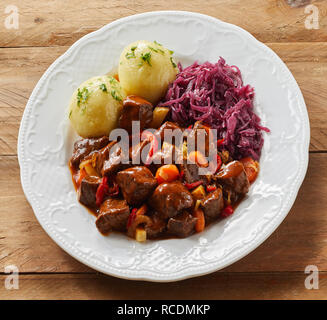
215	94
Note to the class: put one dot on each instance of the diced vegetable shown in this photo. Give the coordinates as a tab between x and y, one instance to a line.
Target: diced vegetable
131	217
197	204
167	173
136	212
251	168
224	155
219	162
200	223
102	190
228	211
154	145
220	142
87	165
81	176
136	219
211	188
184	150
199	193
228	200
198	158
193	185
142	210
140	235
159	115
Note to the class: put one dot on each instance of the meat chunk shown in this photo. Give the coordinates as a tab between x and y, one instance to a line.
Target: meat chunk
169	199
233	176
182	225
113	215
136	184
161	132
115	161
191	172
87	191
156	228
139	151
84	147
212	205
109	159
99	157
135	109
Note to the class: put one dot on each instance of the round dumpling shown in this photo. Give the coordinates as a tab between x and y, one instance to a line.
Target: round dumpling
146	69
96	106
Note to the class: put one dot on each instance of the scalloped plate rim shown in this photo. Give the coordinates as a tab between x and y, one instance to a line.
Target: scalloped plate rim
155	276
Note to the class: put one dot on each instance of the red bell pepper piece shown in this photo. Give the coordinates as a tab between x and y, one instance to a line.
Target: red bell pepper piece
219	162
102	190
153	147
228	211
131	217
211	188
81	176
193	185
220	142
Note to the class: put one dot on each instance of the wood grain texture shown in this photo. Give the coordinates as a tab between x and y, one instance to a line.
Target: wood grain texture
21	68
58	23
215	286
298	242
275	270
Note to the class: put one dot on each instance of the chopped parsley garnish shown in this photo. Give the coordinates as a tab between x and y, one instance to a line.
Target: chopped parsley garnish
82	95
172	62
157	43
157	50
146	58
70	114
153	49
171	52
113	81
115	95
131	54
103	87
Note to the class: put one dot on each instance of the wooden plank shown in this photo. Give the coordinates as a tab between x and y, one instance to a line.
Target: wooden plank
21	68
58	23
300	51
298	242
22	240
214	286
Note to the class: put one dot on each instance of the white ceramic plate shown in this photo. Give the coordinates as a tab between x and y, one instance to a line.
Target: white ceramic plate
45	145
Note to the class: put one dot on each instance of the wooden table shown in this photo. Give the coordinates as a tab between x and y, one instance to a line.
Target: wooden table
273	271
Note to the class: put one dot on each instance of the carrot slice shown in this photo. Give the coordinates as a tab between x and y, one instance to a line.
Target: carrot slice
142	210
167	173
81	176
198	158
200	223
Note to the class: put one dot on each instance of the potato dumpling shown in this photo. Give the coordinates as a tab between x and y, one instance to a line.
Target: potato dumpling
96	106
146	69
